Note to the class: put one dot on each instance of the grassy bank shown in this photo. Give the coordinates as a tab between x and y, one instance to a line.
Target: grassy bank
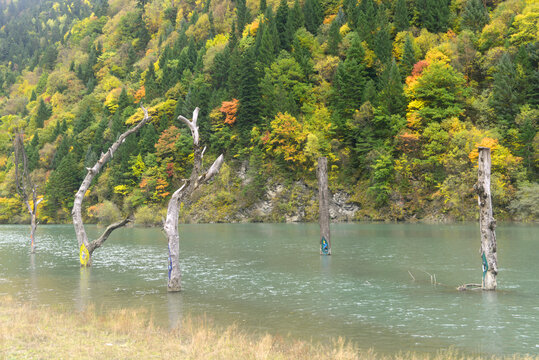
30	332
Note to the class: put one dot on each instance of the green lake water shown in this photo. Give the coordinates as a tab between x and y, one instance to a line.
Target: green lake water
271	278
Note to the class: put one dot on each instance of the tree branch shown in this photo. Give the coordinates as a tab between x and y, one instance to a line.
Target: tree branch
80	232
98	242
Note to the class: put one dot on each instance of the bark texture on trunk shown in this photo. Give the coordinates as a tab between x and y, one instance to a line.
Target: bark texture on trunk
487	224
323	206
76	213
196	179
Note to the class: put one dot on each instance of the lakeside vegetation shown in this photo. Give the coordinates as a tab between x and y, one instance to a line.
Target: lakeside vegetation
39	332
397	94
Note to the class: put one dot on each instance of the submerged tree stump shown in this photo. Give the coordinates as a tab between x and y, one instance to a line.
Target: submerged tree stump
323	206
25	186
487	224
196	179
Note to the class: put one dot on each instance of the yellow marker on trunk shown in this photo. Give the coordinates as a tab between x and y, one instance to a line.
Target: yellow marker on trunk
84	255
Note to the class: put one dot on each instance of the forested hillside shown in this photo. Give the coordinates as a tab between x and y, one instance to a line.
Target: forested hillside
397	94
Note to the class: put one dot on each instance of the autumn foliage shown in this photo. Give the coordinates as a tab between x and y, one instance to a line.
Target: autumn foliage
230	109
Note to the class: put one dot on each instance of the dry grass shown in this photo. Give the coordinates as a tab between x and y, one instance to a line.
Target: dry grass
29	332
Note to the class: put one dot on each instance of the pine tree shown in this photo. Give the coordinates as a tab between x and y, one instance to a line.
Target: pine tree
392	99
408	57
117	125
243	16
235	73
85	119
382	38
33	96
350	80
366	23
98	141
433	14
269	40
351	9
150	84
401	19
249	96
43	113
63	183
220	69
296	18
370	93
505	98
283	26
148	139
32	153
262	7
61	151
475	15
334	37
312	12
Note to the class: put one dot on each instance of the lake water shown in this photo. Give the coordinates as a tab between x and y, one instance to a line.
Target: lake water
271	278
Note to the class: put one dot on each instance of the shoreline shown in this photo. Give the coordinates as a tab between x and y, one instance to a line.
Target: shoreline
29	331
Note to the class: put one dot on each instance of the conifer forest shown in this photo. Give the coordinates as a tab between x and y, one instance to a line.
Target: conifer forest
397	94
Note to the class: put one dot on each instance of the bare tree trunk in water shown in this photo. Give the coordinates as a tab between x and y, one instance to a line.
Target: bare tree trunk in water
487	224
25	185
185	191
323	206
86	248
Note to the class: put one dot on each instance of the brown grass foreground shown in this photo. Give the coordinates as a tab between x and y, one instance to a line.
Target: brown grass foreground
30	332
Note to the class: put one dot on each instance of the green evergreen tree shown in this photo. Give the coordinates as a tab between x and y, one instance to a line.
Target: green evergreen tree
83	120
269	40
42	83
302	54
366	23
49	58
312	12
62	185
401	19
296	18
334	37
392	99
150	84
351	9
117	125
408	57
220	69
123	101
243	16
283	26
32	153
433	14
43	113
249	96
262	7
350	80
370	93
475	15
61	151
505	99
382	39
148	139
235	73
98	141
33	96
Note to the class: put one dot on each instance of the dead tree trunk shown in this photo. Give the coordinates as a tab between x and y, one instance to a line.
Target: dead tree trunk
25	185
195	180
487	224
323	206
86	248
